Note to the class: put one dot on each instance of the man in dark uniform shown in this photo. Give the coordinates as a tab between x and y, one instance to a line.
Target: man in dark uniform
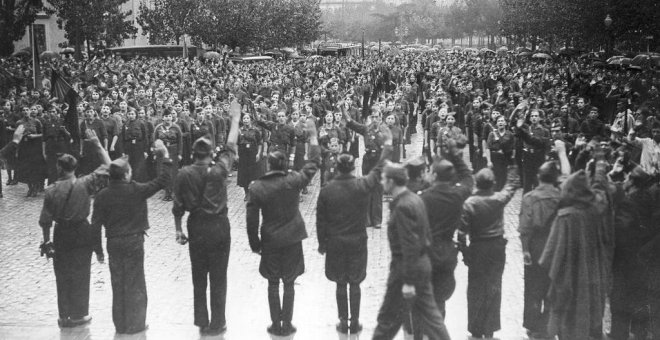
340	225
282	136
201	189
451	186
276	196
410	268
537	211
372	149
135	140
67	204
122	209
88	154
172	137
536	143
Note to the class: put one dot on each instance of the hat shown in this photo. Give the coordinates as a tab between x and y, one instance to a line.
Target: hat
202	147
119	168
396	172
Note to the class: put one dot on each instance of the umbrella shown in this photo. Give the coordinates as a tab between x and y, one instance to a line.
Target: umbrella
68	50
541	56
212	55
471	49
48	55
522	49
503	49
457	48
525	54
486	51
24	53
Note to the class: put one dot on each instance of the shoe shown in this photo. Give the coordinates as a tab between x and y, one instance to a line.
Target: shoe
135	331
64	323
356	327
305	191
376	226
81	321
213	331
288	329
29	193
1	195
342	327
167	198
274	329
13	182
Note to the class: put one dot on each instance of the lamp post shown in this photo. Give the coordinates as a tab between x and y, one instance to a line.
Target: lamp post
608	26
362	43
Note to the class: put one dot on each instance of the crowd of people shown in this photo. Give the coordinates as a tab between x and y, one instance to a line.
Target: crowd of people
582	142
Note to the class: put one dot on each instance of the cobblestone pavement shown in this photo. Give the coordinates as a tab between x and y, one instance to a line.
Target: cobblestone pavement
28	305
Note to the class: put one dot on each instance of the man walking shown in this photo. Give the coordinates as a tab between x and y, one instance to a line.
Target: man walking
276	195
67	204
410	270
340	226
122	209
201	190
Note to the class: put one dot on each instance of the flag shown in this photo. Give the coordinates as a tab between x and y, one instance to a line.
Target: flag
65	93
36	67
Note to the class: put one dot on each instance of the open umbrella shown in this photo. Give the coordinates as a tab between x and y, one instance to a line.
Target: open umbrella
471	49
502	49
541	56
457	48
24	53
68	50
525	54
522	49
48	55
486	51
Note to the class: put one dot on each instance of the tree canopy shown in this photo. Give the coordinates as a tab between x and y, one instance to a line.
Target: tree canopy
236	23
15	16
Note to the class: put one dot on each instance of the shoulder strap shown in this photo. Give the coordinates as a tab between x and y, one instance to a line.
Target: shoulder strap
60	213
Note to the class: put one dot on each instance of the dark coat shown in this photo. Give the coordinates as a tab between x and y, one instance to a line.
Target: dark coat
342	204
276	196
444	203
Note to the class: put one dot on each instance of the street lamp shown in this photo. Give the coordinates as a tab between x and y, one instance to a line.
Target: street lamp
608	26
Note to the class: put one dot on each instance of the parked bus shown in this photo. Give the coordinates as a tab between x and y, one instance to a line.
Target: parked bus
154	51
339	49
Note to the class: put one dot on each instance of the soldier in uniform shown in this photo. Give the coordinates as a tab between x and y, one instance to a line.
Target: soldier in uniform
172	137
276	196
537	211
57	140
67	204
328	132
88	154
249	153
282	135
340	224
202	127
372	148
536	143
135	140
201	190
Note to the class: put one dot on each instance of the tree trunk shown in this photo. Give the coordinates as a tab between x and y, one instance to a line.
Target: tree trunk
78	51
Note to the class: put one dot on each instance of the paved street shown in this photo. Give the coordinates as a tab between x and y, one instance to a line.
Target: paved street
28	307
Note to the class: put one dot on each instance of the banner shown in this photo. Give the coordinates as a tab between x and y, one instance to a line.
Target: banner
65	93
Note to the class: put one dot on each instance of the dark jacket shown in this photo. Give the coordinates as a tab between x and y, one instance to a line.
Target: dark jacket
410	237
483	213
276	195
342	203
444	202
537	211
122	206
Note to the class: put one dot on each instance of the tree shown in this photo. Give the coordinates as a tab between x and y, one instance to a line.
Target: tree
166	21
15	16
92	21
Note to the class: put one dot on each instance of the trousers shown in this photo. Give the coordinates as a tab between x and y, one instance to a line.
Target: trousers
72	275
129	290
